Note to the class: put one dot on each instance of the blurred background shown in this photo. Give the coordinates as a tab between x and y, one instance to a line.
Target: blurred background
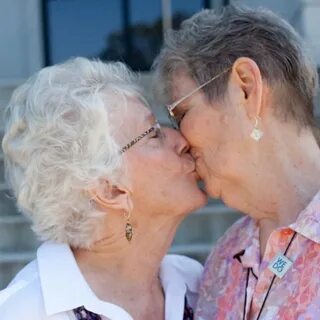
38	33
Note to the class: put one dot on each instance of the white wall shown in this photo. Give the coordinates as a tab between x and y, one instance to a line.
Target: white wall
21	52
291	10
20	40
311	18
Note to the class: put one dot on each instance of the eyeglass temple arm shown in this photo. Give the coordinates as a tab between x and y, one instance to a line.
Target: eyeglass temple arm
173	105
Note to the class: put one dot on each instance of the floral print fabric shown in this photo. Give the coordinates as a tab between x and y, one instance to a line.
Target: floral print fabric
295	296
82	314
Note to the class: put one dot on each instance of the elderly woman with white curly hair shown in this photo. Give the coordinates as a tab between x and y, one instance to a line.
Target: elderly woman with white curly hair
106	188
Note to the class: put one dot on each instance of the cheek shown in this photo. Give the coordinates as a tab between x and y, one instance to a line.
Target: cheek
226	162
214	160
154	180
205	138
203	127
156	167
212	141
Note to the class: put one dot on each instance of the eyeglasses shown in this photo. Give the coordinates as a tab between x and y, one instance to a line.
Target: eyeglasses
175	121
155	128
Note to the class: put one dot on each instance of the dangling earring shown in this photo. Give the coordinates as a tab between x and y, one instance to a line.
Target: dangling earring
128	230
256	133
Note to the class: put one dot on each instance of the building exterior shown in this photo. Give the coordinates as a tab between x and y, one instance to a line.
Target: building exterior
36	33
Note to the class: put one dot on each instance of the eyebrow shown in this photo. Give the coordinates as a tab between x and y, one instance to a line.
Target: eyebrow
150	117
138	138
177	102
178	109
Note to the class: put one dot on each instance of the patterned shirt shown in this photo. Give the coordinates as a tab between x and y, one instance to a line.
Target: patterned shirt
236	280
82	313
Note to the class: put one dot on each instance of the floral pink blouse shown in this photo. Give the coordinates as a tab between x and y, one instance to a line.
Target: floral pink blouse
237	284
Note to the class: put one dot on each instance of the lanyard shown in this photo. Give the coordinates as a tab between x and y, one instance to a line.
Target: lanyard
270	286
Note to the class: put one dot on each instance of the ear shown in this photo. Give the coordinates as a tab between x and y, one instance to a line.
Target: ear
113	197
247	77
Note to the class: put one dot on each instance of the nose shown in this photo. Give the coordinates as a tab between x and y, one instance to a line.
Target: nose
179	143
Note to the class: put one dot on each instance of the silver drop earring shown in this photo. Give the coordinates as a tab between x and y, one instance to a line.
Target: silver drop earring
256	133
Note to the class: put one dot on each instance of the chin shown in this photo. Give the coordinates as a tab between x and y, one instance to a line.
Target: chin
189	195
192	201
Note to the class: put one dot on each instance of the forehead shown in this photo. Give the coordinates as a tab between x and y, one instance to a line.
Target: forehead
136	111
136	117
180	85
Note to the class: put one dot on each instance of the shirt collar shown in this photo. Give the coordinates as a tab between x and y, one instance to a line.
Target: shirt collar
64	287
247	251
308	221
307	224
180	274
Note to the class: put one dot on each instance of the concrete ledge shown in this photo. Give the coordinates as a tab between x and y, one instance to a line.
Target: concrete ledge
14	257
16	235
11	264
196	251
7	202
190	249
14	219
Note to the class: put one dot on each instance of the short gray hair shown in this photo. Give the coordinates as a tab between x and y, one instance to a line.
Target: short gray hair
209	43
59	142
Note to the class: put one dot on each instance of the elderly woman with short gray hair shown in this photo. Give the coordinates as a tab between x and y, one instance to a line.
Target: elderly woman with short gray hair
241	88
106	188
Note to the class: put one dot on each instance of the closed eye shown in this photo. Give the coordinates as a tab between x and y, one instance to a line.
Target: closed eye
179	115
157	132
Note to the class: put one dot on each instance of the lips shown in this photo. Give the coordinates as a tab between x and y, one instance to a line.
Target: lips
189	164
198	167
195	155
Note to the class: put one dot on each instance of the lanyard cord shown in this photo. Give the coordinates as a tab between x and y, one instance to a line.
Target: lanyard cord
245	295
270	286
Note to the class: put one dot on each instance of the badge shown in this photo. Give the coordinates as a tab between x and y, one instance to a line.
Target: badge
280	265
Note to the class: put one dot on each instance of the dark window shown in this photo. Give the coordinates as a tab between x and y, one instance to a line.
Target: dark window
80	27
127	30
182	10
141	35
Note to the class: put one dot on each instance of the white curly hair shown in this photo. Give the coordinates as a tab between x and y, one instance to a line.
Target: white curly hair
59	142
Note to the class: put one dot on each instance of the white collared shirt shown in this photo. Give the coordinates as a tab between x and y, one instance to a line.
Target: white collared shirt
51	286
